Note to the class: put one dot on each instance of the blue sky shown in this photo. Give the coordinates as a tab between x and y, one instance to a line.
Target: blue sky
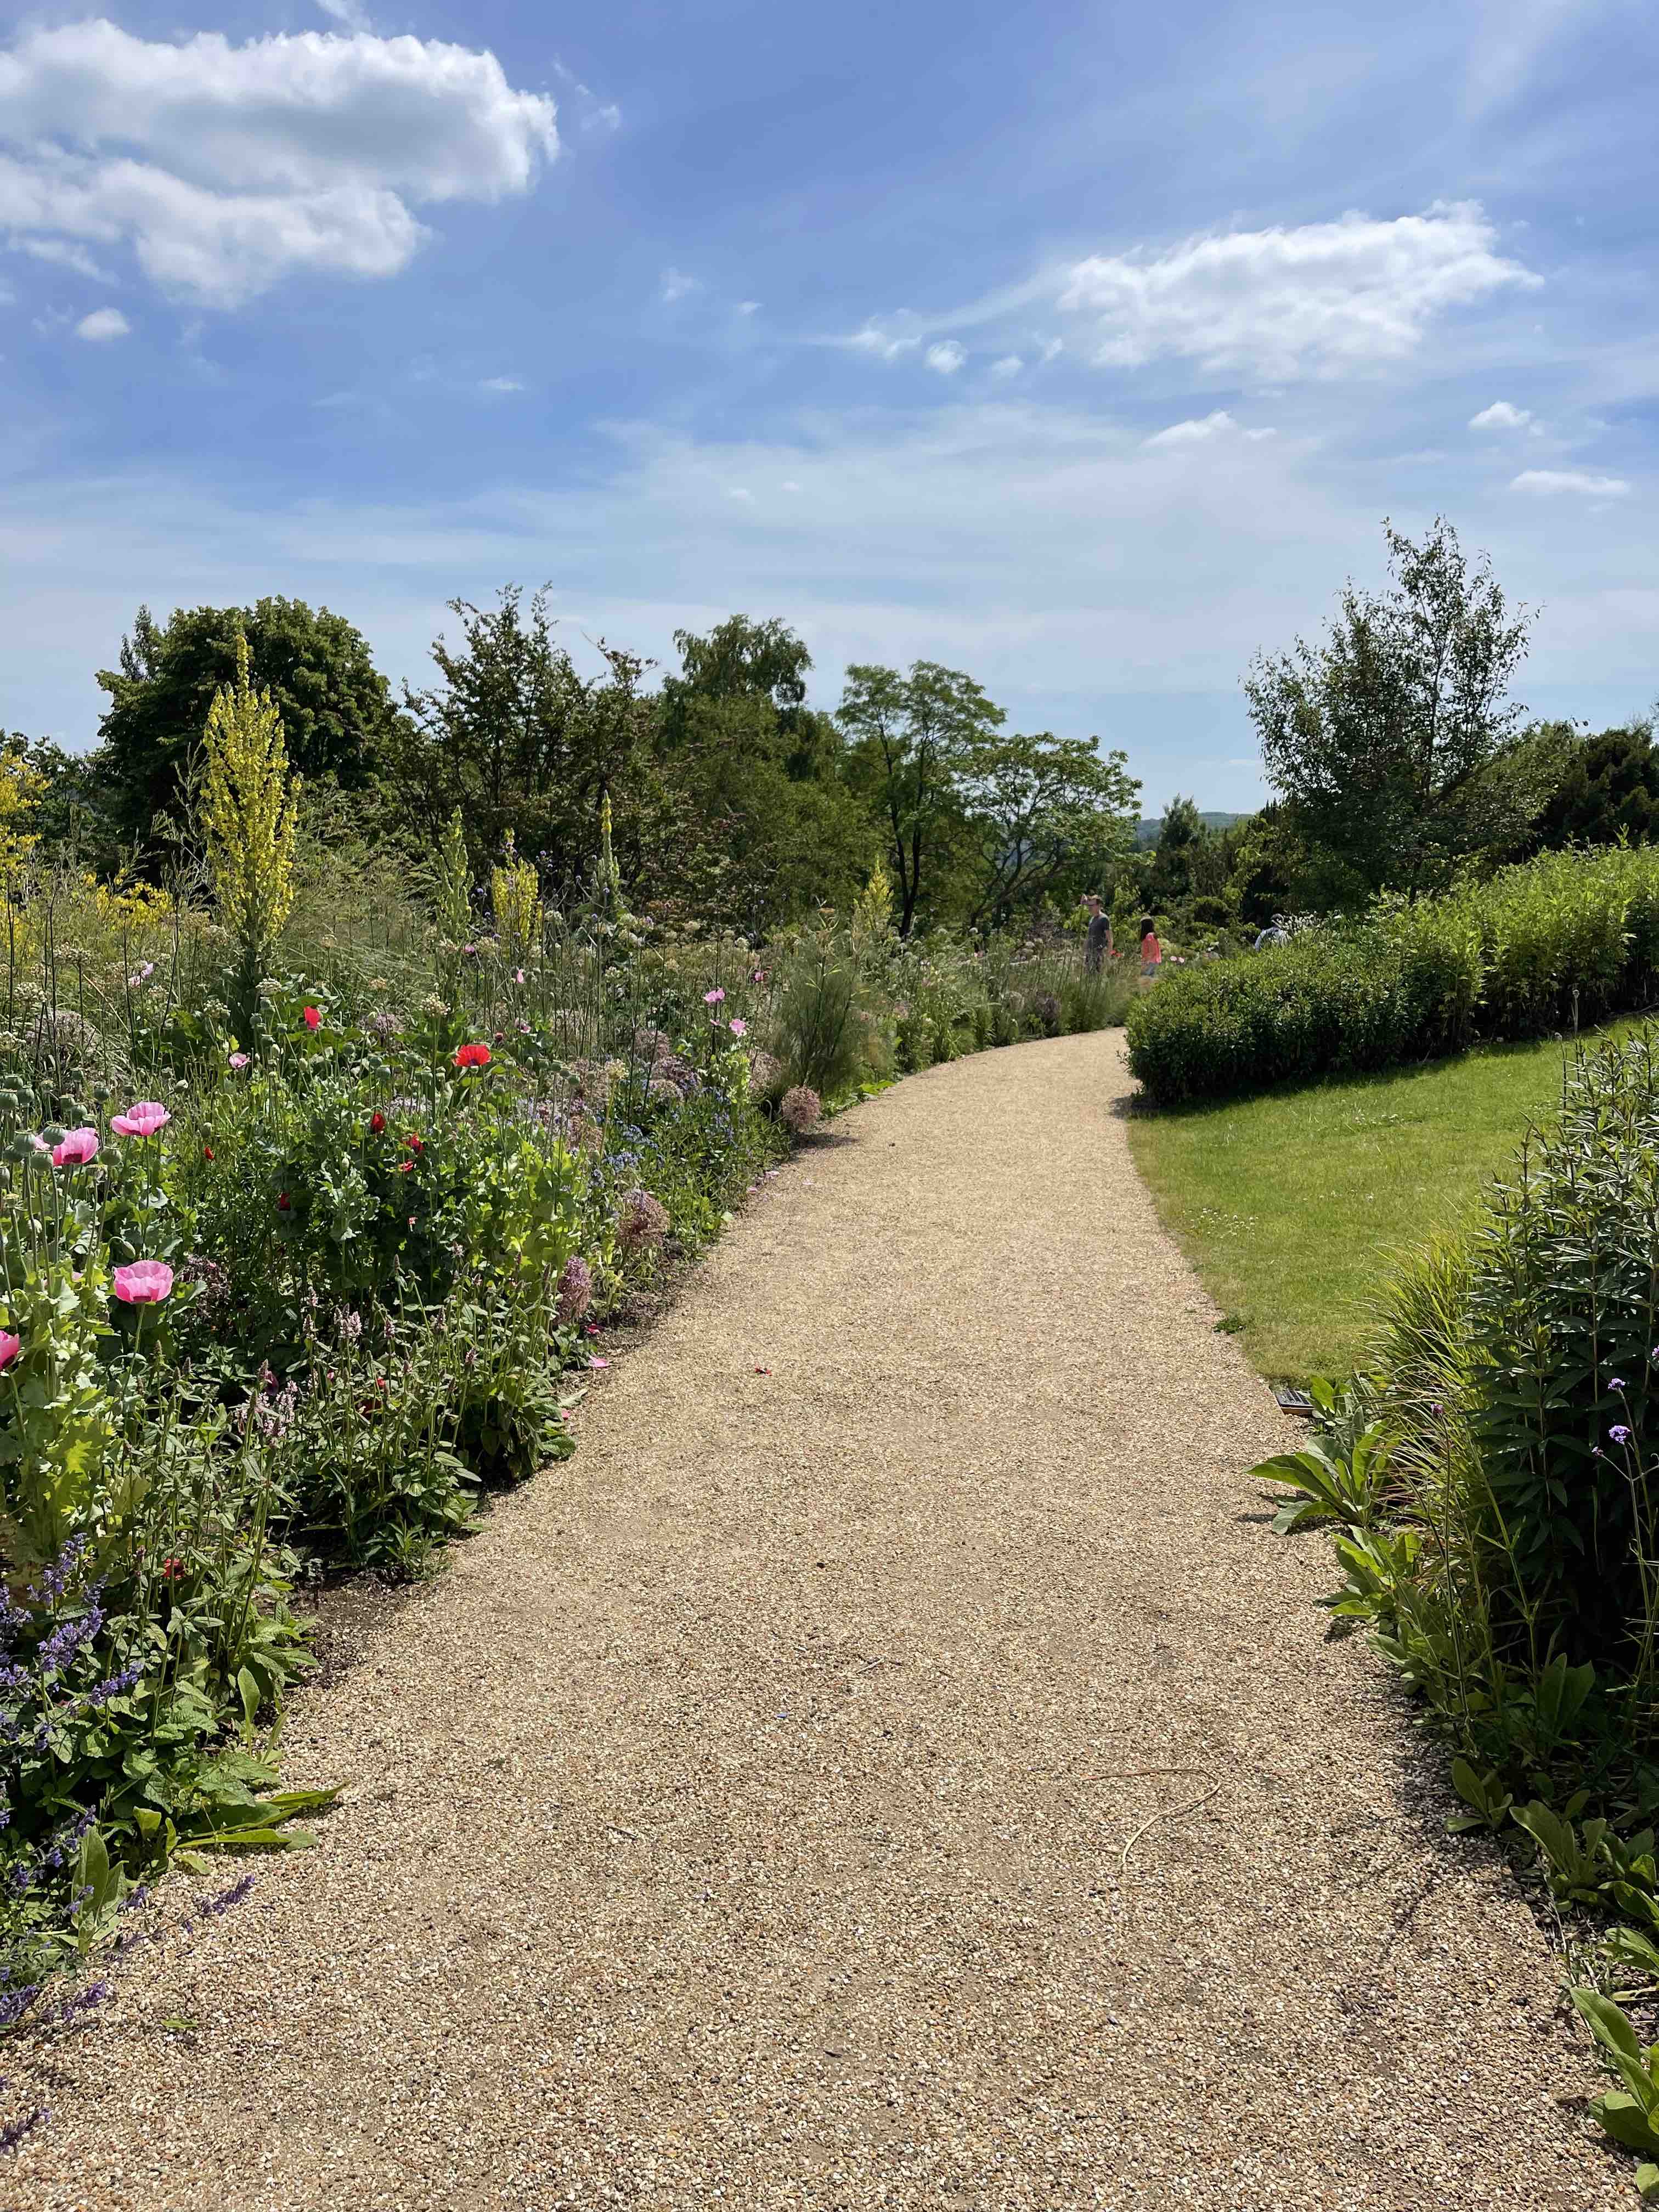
1081	347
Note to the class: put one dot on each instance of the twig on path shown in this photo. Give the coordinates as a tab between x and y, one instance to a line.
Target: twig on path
1166	1812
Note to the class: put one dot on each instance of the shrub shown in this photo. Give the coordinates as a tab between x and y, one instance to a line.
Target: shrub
1566	939
818	1035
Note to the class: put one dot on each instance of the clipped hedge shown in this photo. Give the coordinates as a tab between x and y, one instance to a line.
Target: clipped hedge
1564	941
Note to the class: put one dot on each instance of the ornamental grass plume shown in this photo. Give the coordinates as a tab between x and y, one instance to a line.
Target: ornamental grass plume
641	1222
249	810
801	1111
575	1289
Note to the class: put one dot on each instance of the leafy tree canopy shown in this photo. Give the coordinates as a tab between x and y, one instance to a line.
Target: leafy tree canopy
1608	789
1389	742
918	745
522	743
1054	819
339	717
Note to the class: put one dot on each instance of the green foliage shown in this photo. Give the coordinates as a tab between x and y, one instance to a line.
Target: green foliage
1345	1489
1630	2115
336	709
513	735
918	743
1608	790
1568	938
1394	744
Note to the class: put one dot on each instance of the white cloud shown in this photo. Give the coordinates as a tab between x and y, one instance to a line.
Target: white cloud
749	307
676	285
1195	432
1010	365
500	383
789	484
1317	300
65	255
347	12
1500	415
874	340
227	167
947	358
1055	347
102	324
1549	483
738	492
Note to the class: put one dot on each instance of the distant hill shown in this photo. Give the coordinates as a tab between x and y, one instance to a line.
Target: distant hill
1146	832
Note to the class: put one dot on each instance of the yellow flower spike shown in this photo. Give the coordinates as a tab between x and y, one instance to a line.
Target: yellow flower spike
251	814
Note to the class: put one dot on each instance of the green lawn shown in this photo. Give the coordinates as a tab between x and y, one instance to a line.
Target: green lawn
1290	1205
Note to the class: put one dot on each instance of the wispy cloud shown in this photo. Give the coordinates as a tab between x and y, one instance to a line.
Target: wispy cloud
1320	299
1195	432
1500	415
500	383
947	358
1548	483
884	345
1009	366
676	285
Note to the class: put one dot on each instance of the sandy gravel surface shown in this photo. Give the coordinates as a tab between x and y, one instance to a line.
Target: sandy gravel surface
755	1815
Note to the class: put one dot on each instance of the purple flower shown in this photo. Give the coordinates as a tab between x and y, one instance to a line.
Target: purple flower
575	1289
1617	1383
115	1686
1619	1433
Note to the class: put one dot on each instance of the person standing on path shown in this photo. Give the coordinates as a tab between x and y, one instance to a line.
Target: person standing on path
1099	947
1151	952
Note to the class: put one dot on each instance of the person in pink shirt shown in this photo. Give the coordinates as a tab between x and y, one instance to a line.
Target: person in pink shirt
1151	952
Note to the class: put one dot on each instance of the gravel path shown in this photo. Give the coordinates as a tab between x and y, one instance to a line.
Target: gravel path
911	1775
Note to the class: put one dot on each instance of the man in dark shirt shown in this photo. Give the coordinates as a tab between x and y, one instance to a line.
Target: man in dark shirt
1099	942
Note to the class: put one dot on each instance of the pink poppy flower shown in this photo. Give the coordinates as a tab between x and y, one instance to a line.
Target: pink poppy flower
147	1119
10	1346
739	1027
144	1283
239	1061
714	998
79	1146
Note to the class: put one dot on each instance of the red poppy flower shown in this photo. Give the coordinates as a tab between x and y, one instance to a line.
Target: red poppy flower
313	1019
376	1123
172	1569
207	1152
406	1167
414	1143
473	1056
284	1203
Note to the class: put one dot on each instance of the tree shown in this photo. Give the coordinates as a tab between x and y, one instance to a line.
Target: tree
766	826
1054	820
1178	867
919	745
524	744
1388	742
336	707
1608	789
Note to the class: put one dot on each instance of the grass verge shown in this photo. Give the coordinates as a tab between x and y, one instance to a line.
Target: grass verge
1290	1204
